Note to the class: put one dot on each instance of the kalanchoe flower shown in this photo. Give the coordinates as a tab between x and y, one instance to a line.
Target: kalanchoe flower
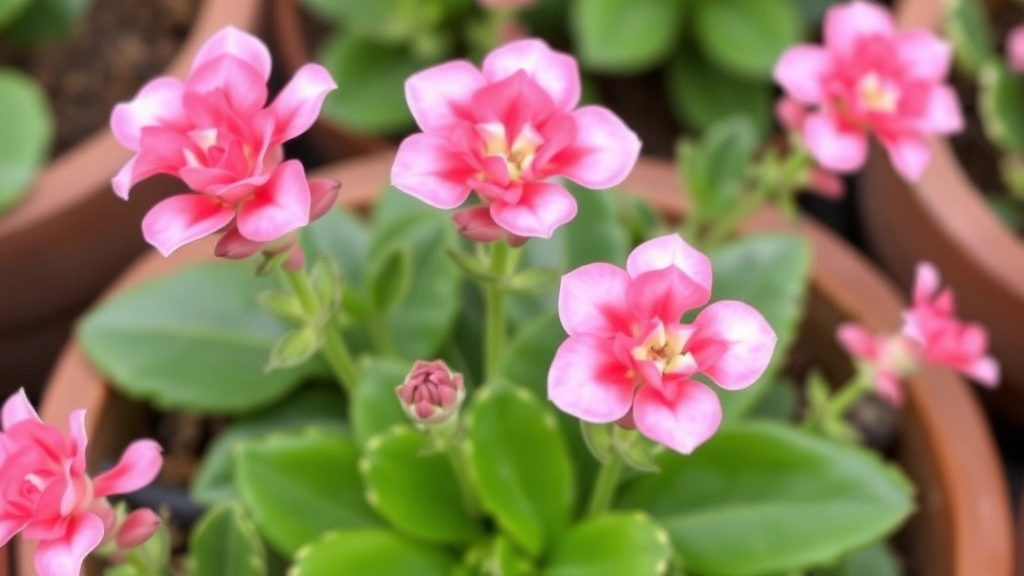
431	393
1015	48
871	78
214	132
629	356
890	359
504	132
45	493
791	115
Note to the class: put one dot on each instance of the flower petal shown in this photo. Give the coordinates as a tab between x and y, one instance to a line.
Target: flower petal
139	464
64	556
17	408
323	193
942	114
603	153
857	341
439	96
10	527
298	104
671	250
909	155
801	72
181	219
683	419
846	23
543	207
834	147
556	72
924	55
426	168
280	206
887	385
238	44
157	103
234	80
664	294
123	181
592	300
136	528
733	343
586	380
926	283
984	370
234	246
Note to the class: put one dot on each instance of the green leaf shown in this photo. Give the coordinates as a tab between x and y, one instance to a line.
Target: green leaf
415	491
779	401
715	168
225	542
214	482
968	29
763	497
299	485
28	125
162	343
376	552
702	95
625	35
521	464
746	37
596	234
1000	93
877	560
295	347
498	556
390	278
611	545
45	19
10	9
770	273
375	406
345	238
1007	209
372	75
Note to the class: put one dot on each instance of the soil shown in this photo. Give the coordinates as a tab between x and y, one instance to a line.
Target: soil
116	48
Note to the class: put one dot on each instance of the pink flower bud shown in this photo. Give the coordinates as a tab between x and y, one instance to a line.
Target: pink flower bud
136	528
790	113
1015	48
234	246
431	393
323	192
825	183
476	224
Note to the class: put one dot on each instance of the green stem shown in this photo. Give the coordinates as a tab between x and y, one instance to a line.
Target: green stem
457	457
494	306
856	388
604	487
338	357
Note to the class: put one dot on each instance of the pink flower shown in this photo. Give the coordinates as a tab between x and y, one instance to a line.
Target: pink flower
505	131
506	3
629	355
45	493
1015	48
213	132
431	393
889	358
791	115
944	339
868	77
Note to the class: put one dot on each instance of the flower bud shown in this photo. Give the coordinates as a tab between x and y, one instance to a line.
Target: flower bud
136	528
431	393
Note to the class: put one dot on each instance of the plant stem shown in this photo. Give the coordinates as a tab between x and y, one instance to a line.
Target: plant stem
457	457
494	306
847	396
334	350
604	487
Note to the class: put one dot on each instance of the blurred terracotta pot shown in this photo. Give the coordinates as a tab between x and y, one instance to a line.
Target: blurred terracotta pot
5	561
71	235
943	218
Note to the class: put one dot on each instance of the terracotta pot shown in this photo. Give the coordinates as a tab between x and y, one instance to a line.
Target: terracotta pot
65	242
943	218
5	560
963	525
330	140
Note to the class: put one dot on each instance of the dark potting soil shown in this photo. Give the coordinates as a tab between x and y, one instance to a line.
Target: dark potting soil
116	48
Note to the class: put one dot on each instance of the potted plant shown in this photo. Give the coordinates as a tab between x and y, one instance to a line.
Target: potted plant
67	237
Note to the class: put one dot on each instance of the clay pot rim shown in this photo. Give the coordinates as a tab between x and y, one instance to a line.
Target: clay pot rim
77	174
976	495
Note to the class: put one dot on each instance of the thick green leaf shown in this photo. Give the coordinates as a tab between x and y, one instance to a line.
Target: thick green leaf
28	126
373	78
195	340
596	234
715	167
10	9
375	407
214	482
770	273
763	497
876	560
416	492
968	29
226	542
611	545
746	37
390	279
371	552
299	485
521	465
702	95
45	19
345	238
625	35
1000	93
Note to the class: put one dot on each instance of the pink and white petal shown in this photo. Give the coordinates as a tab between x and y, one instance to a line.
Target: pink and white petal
942	114
857	341
298	104
801	72
846	23
157	103
586	381
123	181
139	464
984	371
909	154
440	95
603	153
557	73
238	44
181	219
926	282
10	527
671	250
17	408
79	441
592	300
924	55
834	147
664	294
230	78
64	556
683	419
280	206
426	168
887	386
543	207
739	341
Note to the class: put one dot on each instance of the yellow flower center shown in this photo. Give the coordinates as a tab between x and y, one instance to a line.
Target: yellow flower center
877	95
667	350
